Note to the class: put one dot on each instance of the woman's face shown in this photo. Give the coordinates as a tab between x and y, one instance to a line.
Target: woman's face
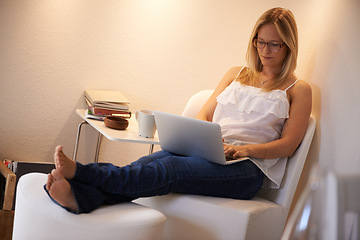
271	55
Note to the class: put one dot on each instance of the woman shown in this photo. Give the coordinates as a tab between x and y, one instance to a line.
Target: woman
263	111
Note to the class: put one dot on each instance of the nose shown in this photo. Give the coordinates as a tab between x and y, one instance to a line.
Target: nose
267	48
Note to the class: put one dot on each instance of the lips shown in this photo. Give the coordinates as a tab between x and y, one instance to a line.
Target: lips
266	58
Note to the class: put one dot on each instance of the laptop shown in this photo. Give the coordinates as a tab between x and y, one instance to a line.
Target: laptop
191	137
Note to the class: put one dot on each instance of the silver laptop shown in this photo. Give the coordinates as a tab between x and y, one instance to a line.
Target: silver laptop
191	137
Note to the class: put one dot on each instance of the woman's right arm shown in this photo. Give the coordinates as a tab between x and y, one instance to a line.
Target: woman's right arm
207	111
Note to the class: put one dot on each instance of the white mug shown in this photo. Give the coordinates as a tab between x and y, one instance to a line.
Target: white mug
146	122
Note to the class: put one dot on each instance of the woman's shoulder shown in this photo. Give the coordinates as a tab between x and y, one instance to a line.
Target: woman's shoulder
236	69
233	72
302	85
227	79
301	89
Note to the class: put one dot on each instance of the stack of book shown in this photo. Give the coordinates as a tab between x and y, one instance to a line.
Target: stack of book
102	103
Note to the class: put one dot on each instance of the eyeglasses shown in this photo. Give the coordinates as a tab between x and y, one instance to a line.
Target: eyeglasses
274	46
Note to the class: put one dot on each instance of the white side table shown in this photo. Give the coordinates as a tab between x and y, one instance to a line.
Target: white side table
128	135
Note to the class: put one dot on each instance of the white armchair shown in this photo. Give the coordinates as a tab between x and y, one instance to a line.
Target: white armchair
200	217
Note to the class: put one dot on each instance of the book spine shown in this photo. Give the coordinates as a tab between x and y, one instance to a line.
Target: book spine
122	107
101	111
106	111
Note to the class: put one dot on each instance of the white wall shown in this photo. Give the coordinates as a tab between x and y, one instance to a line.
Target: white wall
159	53
331	38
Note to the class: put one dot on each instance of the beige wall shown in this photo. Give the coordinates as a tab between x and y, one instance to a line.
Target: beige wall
159	53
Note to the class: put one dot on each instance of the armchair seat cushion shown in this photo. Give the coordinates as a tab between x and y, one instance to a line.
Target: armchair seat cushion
202	217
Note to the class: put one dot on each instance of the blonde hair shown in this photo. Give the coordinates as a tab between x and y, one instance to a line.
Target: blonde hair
285	24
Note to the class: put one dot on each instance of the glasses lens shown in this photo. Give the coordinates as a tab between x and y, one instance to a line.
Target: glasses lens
275	47
259	44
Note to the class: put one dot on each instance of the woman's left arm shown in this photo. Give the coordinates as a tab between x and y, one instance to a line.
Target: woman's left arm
293	131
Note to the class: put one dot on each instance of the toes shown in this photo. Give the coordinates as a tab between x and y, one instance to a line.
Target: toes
58	148
58	155
56	174
49	182
57	160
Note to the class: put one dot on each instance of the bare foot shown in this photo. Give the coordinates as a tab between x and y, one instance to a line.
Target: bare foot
60	190
64	164
49	182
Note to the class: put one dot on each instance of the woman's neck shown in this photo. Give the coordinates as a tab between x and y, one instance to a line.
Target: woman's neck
268	72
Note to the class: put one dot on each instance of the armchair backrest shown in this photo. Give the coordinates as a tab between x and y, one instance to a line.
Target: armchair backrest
196	102
294	167
295	164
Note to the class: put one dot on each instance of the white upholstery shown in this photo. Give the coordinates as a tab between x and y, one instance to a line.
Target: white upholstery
37	217
199	217
196	102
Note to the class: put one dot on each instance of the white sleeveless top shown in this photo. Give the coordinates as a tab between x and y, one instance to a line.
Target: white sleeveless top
249	115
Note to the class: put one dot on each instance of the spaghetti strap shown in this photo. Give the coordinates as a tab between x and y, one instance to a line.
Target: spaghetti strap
292	84
239	72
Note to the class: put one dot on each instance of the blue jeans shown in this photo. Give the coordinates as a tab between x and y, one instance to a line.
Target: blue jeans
160	173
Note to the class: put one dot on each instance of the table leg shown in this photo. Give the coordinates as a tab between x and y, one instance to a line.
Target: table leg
98	148
151	150
77	139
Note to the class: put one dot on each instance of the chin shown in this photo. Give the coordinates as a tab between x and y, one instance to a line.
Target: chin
270	64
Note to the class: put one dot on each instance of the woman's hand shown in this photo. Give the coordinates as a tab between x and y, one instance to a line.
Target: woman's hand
233	152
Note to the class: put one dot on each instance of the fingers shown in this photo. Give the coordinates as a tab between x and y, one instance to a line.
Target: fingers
234	151
229	151
238	154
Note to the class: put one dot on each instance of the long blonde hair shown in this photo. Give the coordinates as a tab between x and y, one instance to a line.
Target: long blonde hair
285	24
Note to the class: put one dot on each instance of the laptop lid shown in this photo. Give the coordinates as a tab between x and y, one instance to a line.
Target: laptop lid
190	137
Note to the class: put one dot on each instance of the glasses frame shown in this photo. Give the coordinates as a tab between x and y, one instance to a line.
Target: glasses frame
268	44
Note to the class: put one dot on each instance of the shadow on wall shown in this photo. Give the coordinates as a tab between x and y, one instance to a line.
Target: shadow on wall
316	72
